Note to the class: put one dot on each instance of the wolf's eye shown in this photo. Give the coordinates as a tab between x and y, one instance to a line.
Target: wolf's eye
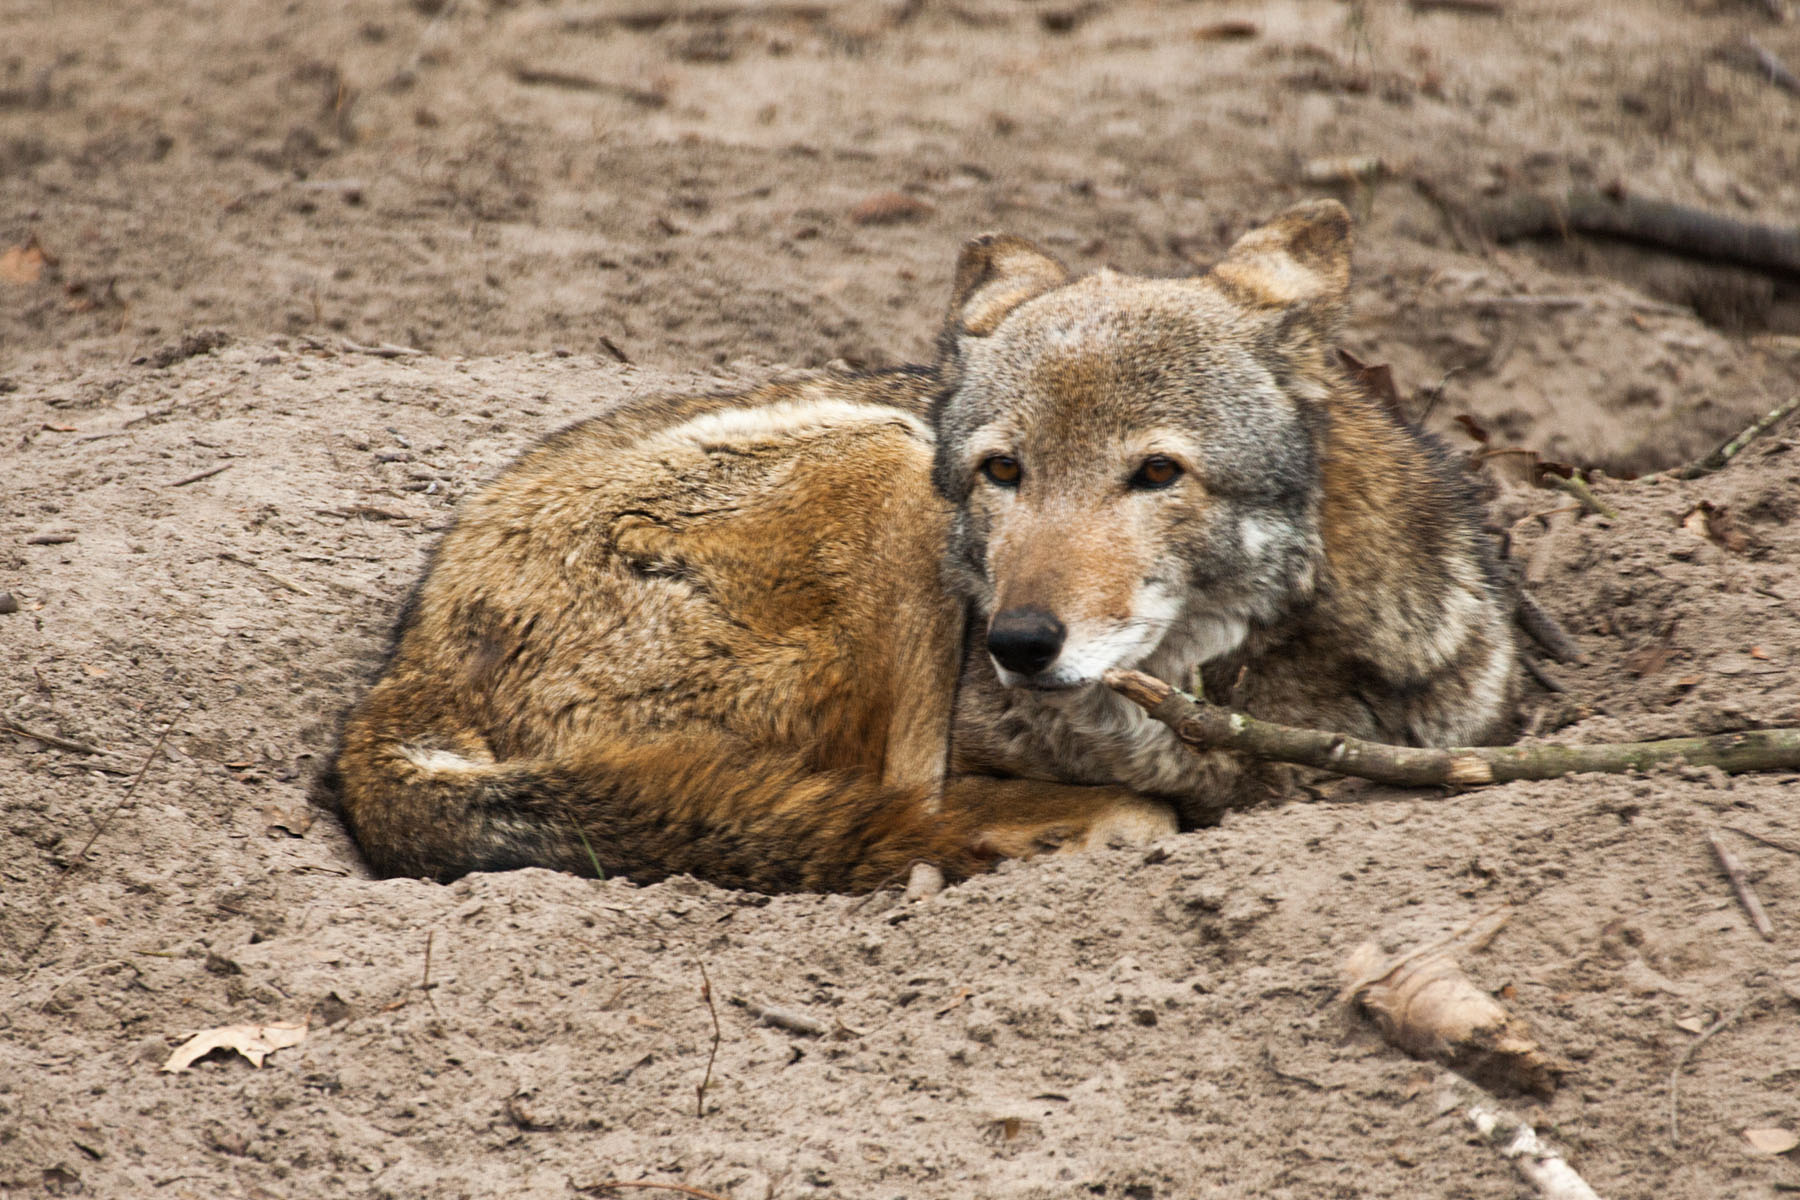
1156	472
1001	470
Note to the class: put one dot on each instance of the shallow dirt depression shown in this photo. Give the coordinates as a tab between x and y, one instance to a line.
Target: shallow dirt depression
215	497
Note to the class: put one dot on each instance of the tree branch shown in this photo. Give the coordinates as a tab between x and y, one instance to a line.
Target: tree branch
1210	727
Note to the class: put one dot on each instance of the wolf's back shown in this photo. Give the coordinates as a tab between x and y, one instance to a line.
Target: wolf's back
688	637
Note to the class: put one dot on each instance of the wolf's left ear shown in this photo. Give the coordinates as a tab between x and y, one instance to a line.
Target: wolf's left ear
996	273
1296	268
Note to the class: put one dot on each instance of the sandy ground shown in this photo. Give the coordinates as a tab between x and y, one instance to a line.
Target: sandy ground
565	205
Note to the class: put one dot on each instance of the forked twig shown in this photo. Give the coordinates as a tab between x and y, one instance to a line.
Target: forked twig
1211	727
1740	883
684	1189
700	1088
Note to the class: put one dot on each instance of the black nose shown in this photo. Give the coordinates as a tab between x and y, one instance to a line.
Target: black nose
1025	640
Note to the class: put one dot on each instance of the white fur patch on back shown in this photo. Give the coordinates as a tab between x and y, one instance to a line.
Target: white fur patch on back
786	419
438	760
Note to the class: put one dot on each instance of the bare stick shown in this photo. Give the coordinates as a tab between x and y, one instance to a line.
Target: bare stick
1485	8
1770	249
568	80
783	1018
49	739
1724	454
684	1189
700	1088
1773	843
100	828
382	350
206	474
1687	1056
1546	630
1773	67
425	984
1541	1164
272	577
1578	487
1210	727
1740	883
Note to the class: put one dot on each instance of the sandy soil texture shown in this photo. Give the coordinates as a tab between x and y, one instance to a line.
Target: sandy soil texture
224	229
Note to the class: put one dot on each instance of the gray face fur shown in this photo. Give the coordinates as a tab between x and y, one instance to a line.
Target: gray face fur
1079	386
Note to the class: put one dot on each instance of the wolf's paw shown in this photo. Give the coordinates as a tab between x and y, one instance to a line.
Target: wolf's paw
1125	826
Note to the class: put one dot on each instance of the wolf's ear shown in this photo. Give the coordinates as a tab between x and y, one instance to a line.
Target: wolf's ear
996	273
1296	267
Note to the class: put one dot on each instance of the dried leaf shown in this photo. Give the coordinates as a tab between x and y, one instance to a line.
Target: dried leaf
1771	1140
293	822
23	264
1759	653
1715	523
1691	1024
254	1042
1343	168
1651	658
1429	1008
889	208
1378	379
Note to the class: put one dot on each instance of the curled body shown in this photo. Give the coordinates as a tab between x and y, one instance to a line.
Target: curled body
800	638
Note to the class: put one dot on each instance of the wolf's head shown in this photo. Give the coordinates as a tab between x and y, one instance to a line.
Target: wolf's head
1134	462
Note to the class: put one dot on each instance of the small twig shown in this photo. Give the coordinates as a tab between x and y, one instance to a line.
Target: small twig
1578	487
271	576
1724	454
206	474
1773	67
425	984
1772	843
700	1088
684	1189
1210	727
1546	630
1740	883
1274	1068
653	17
100	828
783	1018
1485	8
382	350
1541	1165
50	539
1687	1056
49	739
570	81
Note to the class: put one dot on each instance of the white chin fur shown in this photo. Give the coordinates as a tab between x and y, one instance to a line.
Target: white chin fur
1155	641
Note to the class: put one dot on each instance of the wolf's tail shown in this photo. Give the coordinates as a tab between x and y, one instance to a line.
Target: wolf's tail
696	805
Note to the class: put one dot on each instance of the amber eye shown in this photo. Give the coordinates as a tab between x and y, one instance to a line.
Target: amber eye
1156	472
1001	470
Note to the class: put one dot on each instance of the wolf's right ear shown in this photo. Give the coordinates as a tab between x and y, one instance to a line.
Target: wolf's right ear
996	273
1296	267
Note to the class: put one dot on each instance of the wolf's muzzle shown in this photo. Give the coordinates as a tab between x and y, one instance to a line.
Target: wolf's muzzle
1025	640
